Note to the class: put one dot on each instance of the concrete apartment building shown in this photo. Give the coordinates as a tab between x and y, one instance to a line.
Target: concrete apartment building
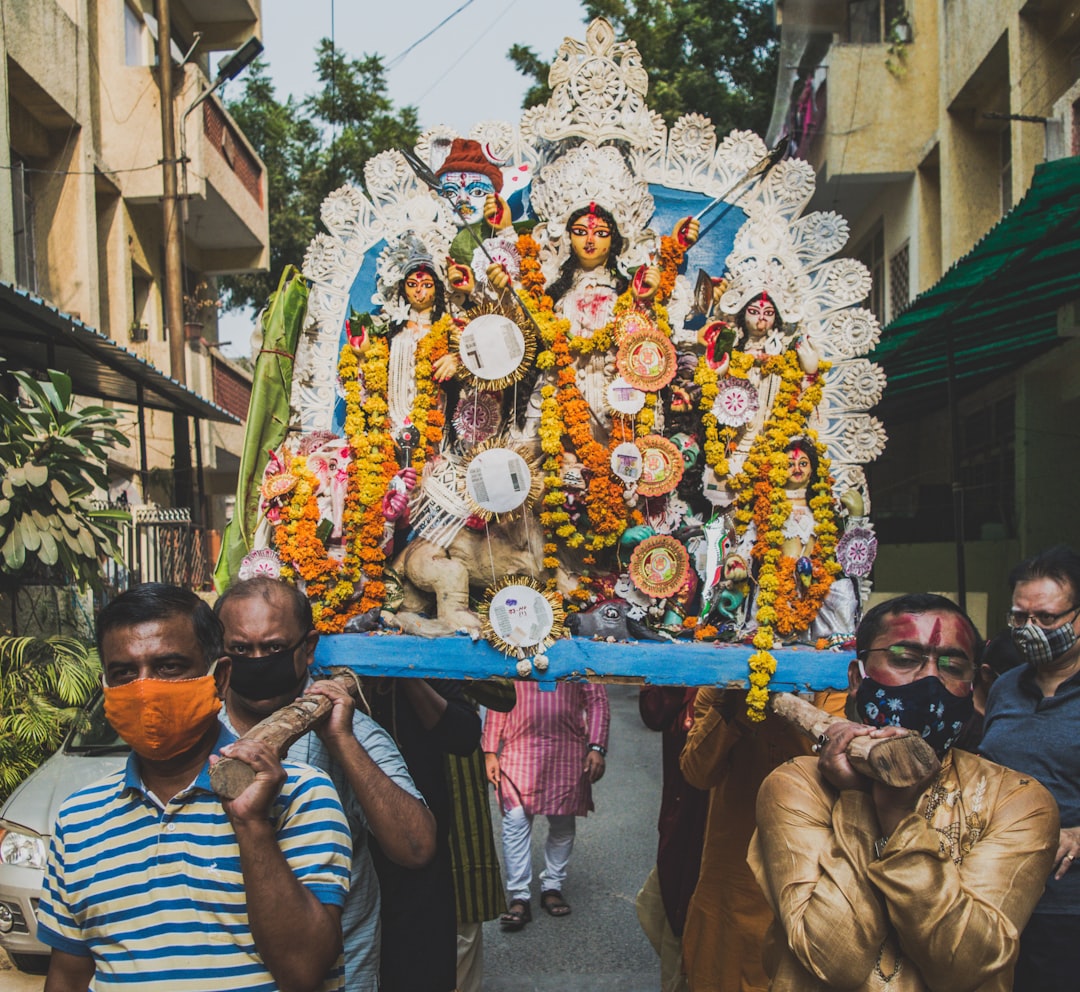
82	234
946	132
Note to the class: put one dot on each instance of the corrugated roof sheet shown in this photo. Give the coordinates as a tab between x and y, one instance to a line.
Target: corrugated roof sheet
35	335
999	302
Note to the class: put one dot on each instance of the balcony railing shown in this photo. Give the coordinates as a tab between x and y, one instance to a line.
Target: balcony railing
161	544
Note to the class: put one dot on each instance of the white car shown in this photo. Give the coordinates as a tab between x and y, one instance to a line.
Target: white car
26	822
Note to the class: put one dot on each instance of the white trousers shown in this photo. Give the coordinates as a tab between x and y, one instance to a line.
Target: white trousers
517	852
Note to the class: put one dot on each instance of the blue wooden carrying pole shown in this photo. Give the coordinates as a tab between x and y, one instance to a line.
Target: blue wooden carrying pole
646	662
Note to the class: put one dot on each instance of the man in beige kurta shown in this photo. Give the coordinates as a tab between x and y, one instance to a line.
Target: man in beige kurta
901	889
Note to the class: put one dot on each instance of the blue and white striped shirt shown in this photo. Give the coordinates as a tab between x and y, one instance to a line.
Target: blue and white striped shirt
156	895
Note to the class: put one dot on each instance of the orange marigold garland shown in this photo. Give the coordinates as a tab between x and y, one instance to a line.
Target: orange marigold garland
340	590
427	416
760	497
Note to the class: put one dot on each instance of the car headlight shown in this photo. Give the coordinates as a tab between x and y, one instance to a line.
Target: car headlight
22	847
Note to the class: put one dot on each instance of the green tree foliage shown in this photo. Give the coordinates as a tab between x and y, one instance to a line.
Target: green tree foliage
52	458
713	57
310	148
43	684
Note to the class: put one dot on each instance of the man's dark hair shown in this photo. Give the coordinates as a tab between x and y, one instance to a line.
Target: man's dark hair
156	601
267	588
873	623
1059	563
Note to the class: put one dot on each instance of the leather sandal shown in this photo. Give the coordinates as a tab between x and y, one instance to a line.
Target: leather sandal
516	916
552	902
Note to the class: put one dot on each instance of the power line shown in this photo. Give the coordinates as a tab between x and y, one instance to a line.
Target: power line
83	172
476	41
397	59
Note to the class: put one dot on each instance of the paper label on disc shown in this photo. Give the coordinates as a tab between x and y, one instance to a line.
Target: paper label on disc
492	346
626	461
498	480
521	616
624	398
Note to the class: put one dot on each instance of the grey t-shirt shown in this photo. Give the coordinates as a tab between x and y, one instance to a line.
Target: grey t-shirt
360	916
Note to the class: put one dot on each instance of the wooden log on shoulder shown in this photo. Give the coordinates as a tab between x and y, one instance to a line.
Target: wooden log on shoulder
281	729
895	761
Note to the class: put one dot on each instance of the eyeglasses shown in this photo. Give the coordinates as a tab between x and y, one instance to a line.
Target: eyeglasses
904	661
1018	618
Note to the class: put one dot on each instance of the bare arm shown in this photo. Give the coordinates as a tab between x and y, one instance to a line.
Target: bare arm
401	823
298	937
69	972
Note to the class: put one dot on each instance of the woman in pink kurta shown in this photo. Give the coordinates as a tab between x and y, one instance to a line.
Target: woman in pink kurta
542	757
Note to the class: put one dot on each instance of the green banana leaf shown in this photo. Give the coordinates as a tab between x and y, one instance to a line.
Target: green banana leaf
268	417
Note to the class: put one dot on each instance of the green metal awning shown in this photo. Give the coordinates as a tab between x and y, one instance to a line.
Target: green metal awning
35	335
998	305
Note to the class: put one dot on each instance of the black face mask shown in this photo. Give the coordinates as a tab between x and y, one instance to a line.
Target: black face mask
267	676
924	706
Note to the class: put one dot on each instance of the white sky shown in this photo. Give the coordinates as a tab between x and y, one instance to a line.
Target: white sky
458	76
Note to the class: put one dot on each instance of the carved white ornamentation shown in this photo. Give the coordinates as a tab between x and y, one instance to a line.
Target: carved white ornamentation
599	90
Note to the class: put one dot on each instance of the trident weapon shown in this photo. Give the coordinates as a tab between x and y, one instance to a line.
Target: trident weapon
758	170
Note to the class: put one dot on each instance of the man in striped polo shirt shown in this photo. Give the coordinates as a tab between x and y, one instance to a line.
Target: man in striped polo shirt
155	882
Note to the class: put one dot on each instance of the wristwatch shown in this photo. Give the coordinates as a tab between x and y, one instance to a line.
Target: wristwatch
602	751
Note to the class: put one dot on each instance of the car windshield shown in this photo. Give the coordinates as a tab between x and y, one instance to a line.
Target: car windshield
93	733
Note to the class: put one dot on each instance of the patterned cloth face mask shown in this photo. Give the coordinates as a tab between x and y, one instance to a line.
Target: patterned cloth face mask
924	706
1043	647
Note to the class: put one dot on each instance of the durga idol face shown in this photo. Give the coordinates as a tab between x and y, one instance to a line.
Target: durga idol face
760	316
799	467
590	239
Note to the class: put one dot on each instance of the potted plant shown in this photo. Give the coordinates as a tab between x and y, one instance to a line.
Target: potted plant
899	38
199	304
138	332
53	457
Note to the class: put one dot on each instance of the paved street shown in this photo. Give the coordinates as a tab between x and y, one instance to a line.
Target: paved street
12	980
599	947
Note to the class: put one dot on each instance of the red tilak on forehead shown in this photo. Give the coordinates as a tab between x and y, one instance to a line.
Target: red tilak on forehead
935	633
592	208
764	298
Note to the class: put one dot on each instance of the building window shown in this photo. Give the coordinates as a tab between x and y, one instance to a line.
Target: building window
23	209
899	282
134	37
1006	170
870	21
872	255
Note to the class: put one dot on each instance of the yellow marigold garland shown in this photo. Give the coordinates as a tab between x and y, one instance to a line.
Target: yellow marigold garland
339	590
426	415
760	496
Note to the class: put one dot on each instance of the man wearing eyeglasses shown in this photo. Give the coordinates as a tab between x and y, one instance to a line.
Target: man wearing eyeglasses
1033	725
270	640
902	888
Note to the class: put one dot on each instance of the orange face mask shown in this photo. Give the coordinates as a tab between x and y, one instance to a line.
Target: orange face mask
161	718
